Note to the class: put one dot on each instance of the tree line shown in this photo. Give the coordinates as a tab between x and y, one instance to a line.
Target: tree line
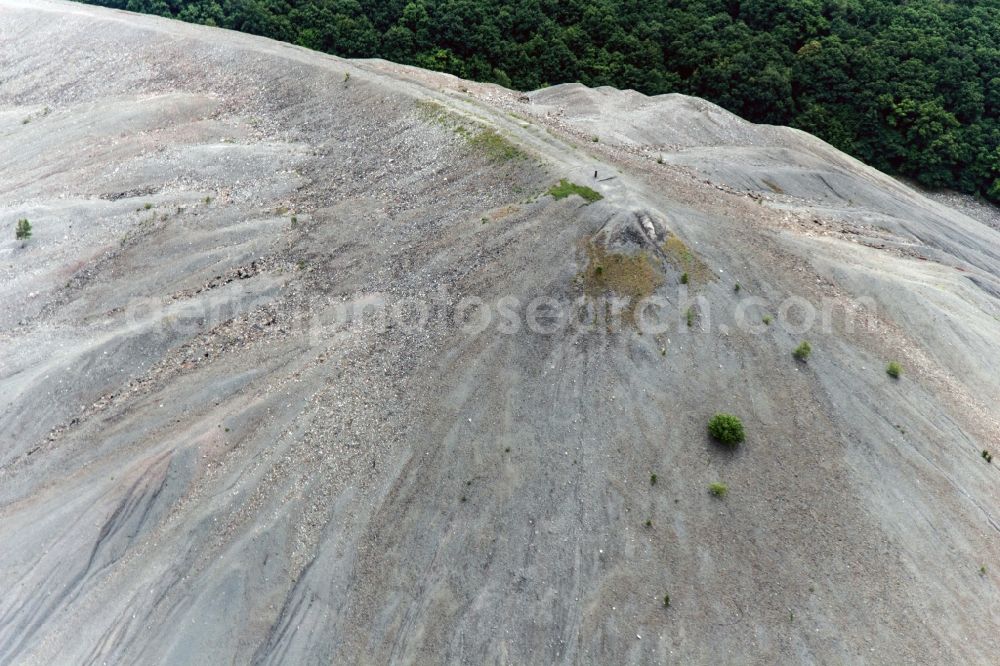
911	87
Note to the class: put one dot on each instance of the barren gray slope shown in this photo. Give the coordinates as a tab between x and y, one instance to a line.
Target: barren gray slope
204	460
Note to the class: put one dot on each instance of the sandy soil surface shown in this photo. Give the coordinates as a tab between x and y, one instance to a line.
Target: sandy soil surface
214	449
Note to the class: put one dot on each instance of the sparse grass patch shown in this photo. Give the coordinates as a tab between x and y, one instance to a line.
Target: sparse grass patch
803	351
894	369
486	140
689	315
685	260
766	320
630	275
718	489
496	147
566	188
435	112
726	429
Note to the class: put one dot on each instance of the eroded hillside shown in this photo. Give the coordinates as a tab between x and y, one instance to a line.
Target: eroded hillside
282	379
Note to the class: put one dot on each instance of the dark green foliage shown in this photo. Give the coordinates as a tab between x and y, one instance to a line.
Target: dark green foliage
987	456
652	479
23	231
727	429
909	87
802	351
666	601
685	278
894	369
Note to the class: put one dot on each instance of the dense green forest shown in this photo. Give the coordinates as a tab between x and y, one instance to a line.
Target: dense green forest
911	87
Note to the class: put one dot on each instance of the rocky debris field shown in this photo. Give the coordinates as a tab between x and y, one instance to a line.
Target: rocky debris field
284	376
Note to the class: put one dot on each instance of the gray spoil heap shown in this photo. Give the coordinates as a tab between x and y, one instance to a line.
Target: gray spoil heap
229	433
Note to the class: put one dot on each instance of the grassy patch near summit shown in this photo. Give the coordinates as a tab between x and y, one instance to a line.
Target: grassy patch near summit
566	188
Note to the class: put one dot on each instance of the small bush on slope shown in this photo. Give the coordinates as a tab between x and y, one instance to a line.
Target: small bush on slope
726	429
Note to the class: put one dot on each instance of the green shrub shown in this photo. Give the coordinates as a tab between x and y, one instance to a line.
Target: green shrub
766	320
987	456
684	278
649	523
666	601
726	429
802	351
689	315
894	369
23	231
718	489
652	479
736	287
